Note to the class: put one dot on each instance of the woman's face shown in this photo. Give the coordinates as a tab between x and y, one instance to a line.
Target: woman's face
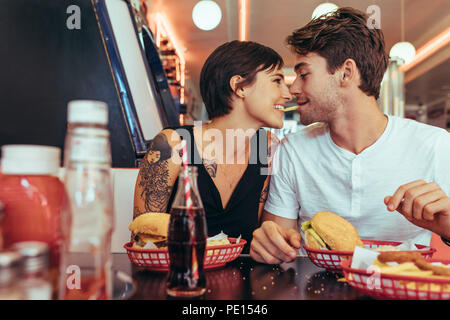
266	93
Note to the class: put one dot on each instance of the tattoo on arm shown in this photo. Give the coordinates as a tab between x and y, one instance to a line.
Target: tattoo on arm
210	166
137	212
154	174
273	146
264	194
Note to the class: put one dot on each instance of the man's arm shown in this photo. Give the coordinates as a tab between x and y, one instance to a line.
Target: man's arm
276	240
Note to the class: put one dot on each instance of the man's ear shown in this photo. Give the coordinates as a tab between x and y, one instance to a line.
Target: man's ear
349	72
234	81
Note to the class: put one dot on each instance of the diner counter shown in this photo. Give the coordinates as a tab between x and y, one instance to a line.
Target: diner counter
244	279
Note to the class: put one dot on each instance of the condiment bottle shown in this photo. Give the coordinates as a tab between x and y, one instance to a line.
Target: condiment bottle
36	207
87	159
10	273
35	281
2	207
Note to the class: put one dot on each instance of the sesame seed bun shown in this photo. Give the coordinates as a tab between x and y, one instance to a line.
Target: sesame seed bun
152	223
335	231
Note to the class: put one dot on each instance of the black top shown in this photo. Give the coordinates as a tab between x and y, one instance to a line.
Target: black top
240	216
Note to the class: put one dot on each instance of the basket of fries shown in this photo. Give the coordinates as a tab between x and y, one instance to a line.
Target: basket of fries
331	259
406	280
216	256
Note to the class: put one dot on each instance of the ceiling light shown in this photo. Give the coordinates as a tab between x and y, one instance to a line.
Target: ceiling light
244	18
324	8
403	50
206	15
430	48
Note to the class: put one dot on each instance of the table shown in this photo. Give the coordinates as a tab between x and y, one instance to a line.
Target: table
245	279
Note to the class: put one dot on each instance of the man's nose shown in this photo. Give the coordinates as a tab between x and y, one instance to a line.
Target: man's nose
295	88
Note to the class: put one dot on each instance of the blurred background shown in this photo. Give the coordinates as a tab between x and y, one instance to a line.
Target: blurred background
422	23
144	57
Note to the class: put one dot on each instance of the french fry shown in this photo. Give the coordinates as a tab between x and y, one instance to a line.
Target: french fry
411	269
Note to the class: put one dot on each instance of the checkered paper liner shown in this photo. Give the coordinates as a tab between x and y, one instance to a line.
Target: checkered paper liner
330	259
390	286
158	259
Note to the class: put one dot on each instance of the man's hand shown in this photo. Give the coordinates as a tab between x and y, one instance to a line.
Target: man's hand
424	204
273	244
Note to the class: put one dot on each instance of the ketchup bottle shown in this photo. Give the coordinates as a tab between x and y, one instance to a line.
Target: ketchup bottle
35	202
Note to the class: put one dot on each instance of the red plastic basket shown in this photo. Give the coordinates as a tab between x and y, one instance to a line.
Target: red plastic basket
158	259
389	286
330	259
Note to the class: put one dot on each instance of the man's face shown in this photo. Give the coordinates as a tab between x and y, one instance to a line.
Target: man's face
316	90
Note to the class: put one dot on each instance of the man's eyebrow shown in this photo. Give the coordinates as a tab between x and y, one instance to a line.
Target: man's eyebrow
299	65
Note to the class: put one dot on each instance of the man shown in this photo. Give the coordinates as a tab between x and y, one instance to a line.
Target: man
353	160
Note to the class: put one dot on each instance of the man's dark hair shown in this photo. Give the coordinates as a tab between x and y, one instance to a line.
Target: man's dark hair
341	35
243	58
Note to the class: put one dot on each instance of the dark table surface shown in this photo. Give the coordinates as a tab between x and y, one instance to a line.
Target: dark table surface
245	279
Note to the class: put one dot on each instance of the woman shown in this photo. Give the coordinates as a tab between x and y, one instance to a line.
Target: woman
242	86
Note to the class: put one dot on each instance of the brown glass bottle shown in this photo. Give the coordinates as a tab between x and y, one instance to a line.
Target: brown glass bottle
187	239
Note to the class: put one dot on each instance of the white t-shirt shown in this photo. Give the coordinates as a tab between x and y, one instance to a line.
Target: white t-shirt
311	173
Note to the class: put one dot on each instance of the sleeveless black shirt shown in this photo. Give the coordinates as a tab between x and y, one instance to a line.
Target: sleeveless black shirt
240	216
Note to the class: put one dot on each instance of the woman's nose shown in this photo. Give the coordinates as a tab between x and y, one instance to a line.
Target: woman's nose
286	93
287	96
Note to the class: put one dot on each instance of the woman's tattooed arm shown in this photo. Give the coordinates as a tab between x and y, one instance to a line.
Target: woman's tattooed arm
153	185
264	193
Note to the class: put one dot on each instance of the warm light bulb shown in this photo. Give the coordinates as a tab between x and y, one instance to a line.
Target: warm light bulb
404	51
206	15
324	8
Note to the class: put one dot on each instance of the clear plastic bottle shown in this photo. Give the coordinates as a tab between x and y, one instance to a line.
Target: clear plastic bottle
187	239
35	282
87	161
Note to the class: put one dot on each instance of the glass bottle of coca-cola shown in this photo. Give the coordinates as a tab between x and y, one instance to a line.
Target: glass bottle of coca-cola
187	239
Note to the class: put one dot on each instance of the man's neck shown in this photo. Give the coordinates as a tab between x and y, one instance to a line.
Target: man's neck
359	126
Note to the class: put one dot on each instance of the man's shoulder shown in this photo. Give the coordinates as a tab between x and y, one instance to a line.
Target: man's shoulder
418	130
307	134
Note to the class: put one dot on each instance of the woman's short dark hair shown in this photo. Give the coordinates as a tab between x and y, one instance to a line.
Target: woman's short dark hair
243	58
341	35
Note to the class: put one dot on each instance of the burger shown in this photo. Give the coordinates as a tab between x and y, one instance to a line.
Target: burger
329	231
150	227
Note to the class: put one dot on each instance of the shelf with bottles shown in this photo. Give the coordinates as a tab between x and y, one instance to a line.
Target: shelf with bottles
171	56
